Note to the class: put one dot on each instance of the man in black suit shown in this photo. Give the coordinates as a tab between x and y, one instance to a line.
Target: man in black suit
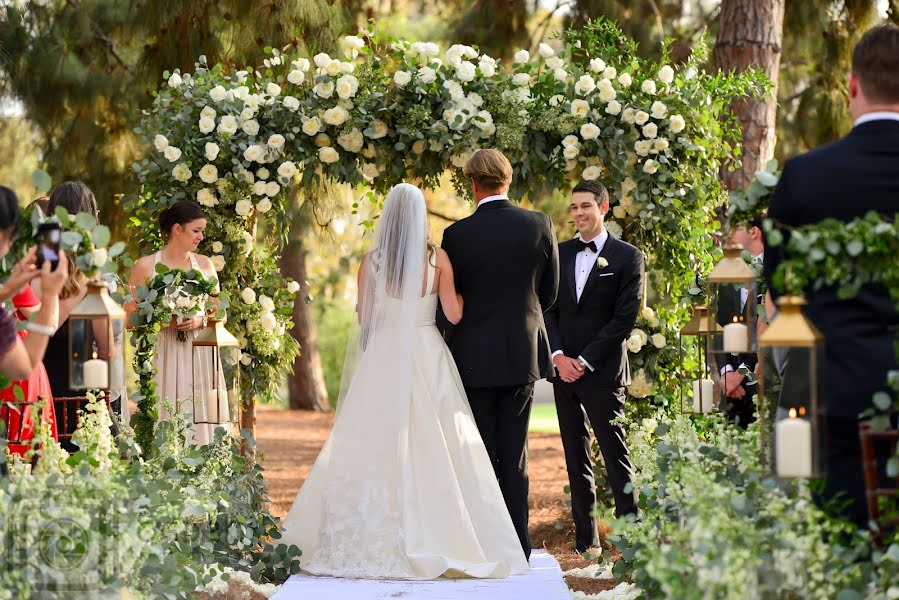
844	180
595	312
506	268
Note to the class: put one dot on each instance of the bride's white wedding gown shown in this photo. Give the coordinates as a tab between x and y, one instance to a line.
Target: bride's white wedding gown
403	488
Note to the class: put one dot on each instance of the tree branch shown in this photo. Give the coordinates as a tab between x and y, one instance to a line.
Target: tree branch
443	216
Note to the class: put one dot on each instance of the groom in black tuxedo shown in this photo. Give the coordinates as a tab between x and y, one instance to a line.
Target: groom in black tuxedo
596	309
845	180
507	270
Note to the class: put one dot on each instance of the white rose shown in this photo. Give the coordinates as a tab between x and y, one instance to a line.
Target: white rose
614	228
99	257
334	68
465	71
273	89
650	167
296	77
290	103
658	110
579	108
584	85
459	160
648	87
175	81
218	93
591	173
677	124
555	62
328	155
642	147
322	140
209	174
634	344
625	80
666	74
522	56
589	131
266	303
241	92
206	197
570	140
161	143
268	321
259	188
248	295
272	189
546	51
640	117
293	287
250	127
560	74
650	130
521	79
601	262
647	313
597	65
301	64
570	152
247	114
347	86
321	60
312	126
401	78
276	141
613	107
262	173
335	116
243	207
609	73
211	150
240	76
488	67
658	340
264	206
370	171
427	75
287	170
378	129
217	246
351	141
172	154
245	359
324	89
607	94
181	173
627	115
660	145
418	147
218	262
227	125
254	153
207	124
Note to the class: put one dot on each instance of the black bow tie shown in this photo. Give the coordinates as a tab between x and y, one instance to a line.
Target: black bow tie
582	245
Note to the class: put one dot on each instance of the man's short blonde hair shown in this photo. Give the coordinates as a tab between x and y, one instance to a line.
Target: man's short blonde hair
489	168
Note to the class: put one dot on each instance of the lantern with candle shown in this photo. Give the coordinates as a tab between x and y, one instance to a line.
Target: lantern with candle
798	347
214	349
96	335
694	369
733	303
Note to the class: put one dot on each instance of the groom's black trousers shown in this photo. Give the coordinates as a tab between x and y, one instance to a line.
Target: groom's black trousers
502	415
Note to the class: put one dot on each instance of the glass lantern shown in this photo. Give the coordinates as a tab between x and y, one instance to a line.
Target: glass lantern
214	349
696	377
733	303
798	349
96	336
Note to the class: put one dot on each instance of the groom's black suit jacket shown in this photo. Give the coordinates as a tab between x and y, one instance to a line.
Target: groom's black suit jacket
597	327
845	180
506	268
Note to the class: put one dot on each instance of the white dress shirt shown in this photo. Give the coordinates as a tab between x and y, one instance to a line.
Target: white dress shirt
880	115
492	199
584	262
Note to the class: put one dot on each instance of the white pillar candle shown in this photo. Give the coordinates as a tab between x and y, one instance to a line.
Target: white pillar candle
736	338
793	439
703	395
217	406
96	374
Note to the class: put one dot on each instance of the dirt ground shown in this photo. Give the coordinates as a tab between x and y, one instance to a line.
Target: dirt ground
291	440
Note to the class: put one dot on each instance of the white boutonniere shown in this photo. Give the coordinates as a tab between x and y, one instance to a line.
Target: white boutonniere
602	263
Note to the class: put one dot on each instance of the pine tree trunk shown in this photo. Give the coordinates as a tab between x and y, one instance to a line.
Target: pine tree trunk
750	35
306	386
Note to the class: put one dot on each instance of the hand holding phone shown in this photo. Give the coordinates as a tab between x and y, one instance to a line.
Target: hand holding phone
48	235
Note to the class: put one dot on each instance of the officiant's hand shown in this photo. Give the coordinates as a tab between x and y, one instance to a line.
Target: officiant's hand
570	369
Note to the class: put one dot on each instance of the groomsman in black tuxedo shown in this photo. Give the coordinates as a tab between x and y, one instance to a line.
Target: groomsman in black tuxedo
845	180
596	309
506	267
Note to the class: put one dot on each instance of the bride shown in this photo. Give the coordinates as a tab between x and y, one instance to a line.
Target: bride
403	488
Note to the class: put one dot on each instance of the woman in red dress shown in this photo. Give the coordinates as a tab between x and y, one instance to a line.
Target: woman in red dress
20	427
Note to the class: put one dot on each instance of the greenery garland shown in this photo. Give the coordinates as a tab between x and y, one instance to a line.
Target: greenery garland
156	305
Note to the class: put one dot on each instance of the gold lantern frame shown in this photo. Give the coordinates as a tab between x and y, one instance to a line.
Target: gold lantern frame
790	330
732	270
702	327
97	305
214	336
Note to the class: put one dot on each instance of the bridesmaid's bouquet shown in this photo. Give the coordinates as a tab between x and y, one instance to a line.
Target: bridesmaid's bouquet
174	294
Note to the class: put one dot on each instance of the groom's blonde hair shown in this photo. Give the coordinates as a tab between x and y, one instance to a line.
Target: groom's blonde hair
489	168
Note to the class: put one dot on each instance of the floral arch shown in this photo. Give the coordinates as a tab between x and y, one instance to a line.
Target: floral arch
390	110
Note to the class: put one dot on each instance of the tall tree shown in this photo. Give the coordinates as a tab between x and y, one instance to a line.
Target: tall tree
749	35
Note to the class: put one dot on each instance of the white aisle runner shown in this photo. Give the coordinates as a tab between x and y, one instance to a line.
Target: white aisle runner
542	582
